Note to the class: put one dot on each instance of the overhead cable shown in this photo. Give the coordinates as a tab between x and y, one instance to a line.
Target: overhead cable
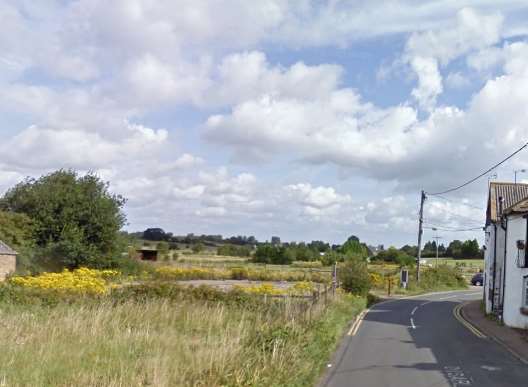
481	175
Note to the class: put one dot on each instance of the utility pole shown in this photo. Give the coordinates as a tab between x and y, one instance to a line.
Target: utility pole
420	232
436	238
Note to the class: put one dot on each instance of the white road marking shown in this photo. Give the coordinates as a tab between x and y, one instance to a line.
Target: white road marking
457	376
412	324
490	368
414	310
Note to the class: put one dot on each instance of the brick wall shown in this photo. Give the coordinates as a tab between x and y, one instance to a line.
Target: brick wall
7	265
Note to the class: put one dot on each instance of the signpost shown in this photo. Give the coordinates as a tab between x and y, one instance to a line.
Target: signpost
404	278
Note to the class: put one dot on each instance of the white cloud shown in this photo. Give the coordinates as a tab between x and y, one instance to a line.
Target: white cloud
48	148
425	51
456	80
317	201
429	81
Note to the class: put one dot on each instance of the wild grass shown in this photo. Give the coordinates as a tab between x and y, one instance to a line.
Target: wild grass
170	342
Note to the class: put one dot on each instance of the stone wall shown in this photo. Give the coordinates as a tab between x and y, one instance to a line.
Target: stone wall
7	265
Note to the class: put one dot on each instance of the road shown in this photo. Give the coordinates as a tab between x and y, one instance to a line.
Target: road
418	342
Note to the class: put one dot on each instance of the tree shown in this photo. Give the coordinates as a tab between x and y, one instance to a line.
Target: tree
410	250
470	249
354	247
454	249
154	234
76	219
17	231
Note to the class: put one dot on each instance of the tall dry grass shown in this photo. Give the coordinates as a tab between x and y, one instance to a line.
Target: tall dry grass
160	342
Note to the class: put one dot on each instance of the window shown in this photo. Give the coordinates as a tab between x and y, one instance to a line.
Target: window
525	292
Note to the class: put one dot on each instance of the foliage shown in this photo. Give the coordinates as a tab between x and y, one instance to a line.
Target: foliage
234	251
155	234
399	257
163	250
376	280
354	276
166	336
79	281
331	257
268	253
237	273
17	231
438	278
353	247
198	247
262	289
76	219
307	265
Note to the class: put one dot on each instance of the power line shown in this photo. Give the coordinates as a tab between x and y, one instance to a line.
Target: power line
481	175
441	228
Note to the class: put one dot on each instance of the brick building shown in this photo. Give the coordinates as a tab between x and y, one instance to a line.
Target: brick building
7	260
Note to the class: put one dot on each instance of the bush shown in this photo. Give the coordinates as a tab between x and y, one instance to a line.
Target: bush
354	276
307	265
331	257
234	251
441	277
197	248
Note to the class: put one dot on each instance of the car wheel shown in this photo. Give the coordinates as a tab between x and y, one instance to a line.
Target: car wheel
477	283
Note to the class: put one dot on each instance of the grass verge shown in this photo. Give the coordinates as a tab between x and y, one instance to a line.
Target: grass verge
159	337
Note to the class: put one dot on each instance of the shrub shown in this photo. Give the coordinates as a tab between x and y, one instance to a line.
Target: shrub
376	280
234	251
440	277
197	247
307	265
79	281
354	276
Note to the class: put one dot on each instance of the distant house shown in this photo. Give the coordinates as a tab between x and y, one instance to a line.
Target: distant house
7	260
147	253
504	257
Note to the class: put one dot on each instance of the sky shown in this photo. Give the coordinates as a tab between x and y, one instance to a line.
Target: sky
302	119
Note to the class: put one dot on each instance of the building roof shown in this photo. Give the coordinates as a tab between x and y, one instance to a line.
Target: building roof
6	250
510	193
519	207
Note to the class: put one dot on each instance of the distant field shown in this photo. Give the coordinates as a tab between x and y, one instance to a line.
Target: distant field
476	263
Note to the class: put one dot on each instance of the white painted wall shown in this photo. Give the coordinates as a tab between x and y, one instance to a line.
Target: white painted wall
513	292
499	274
488	264
495	240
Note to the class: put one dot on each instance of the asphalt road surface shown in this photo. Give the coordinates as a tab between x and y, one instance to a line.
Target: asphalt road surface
418	342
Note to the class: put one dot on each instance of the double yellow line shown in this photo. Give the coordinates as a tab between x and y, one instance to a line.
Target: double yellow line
458	315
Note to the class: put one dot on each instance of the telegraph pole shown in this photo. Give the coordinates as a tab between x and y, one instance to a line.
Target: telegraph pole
420	232
437	239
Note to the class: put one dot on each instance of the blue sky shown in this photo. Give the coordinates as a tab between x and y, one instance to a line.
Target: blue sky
308	120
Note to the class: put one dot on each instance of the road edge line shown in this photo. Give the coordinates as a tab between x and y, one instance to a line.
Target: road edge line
514	353
461	319
357	322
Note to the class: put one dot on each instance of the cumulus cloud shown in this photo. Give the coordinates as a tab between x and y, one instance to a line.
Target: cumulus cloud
317	201
82	85
425	51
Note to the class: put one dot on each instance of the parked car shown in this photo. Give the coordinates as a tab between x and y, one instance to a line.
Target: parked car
477	280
